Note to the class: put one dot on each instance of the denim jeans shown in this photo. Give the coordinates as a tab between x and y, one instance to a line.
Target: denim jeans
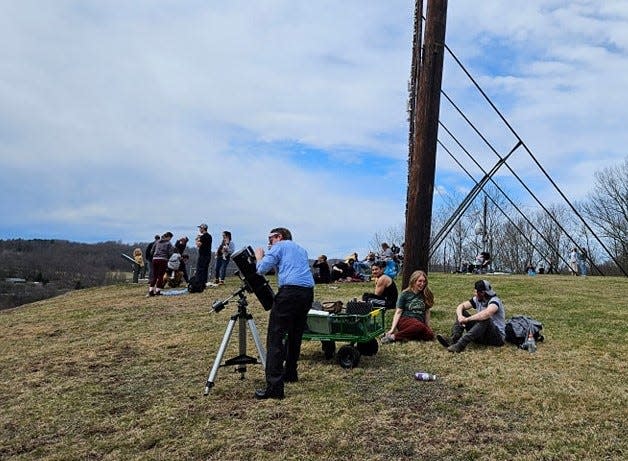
221	267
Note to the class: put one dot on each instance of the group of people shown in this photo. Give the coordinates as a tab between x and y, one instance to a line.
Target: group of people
168	263
295	295
411	320
352	269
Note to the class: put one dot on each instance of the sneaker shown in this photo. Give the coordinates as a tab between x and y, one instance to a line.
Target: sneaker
443	341
221	282
387	339
149	294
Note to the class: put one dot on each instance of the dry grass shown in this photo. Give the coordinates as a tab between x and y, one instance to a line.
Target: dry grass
107	374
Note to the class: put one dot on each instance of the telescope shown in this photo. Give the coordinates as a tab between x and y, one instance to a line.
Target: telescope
254	283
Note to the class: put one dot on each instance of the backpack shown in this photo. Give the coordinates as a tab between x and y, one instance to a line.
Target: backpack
517	329
174	262
195	286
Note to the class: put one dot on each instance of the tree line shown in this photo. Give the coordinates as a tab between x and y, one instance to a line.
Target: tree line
51	267
519	239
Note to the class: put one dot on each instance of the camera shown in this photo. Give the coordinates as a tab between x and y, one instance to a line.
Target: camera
255	283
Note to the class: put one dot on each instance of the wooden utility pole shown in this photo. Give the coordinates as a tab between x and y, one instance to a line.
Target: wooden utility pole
424	129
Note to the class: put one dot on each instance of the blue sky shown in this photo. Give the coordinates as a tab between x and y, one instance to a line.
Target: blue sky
122	119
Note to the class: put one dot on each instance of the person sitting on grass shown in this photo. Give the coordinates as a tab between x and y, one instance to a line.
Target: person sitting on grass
486	326
342	271
412	316
323	275
386	293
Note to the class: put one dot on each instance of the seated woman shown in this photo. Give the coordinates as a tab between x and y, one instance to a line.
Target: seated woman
385	294
412	316
323	275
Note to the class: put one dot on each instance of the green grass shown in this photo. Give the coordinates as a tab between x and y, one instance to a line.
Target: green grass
108	374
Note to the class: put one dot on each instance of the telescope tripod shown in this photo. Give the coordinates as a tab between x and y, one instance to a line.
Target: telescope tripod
243	318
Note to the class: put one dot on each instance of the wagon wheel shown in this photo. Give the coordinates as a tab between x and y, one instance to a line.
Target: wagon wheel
348	356
368	348
329	348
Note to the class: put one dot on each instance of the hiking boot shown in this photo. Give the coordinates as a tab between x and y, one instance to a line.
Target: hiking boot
443	341
457	347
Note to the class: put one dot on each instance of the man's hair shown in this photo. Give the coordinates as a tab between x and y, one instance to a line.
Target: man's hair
285	233
380	264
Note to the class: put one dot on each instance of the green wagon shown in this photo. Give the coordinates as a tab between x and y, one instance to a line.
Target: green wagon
359	330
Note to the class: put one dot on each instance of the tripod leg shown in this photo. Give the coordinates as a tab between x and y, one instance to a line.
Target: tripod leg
241	367
219	355
258	343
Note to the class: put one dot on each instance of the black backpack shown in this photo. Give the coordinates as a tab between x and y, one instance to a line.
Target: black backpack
517	329
195	286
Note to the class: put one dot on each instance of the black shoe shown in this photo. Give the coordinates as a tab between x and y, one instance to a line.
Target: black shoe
443	341
262	394
457	347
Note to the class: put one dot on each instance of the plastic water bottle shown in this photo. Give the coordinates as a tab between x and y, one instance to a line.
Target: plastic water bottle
423	376
531	343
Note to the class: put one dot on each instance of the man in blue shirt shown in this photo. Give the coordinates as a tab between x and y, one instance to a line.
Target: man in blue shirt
289	312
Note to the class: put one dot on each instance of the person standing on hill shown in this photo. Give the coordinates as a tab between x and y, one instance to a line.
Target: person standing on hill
149	254
573	261
204	255
223	256
162	250
139	269
288	315
582	262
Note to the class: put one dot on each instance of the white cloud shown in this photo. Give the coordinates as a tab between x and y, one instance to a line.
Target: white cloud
137	117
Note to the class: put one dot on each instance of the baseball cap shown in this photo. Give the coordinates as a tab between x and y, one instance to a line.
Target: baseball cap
202	226
484	285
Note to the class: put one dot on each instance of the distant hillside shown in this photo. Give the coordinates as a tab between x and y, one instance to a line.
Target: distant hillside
51	267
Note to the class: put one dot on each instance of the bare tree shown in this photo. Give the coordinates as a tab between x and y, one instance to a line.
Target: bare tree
607	207
554	246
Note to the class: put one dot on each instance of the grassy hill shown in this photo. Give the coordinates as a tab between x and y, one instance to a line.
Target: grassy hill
104	373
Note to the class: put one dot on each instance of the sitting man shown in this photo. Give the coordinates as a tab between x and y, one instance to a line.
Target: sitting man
486	326
323	275
385	294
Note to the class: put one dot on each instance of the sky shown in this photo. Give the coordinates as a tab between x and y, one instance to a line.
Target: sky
120	120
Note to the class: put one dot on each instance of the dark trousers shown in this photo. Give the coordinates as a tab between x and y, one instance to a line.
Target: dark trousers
158	270
202	268
287	316
481	332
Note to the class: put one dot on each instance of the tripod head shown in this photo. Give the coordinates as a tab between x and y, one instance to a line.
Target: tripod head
217	306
